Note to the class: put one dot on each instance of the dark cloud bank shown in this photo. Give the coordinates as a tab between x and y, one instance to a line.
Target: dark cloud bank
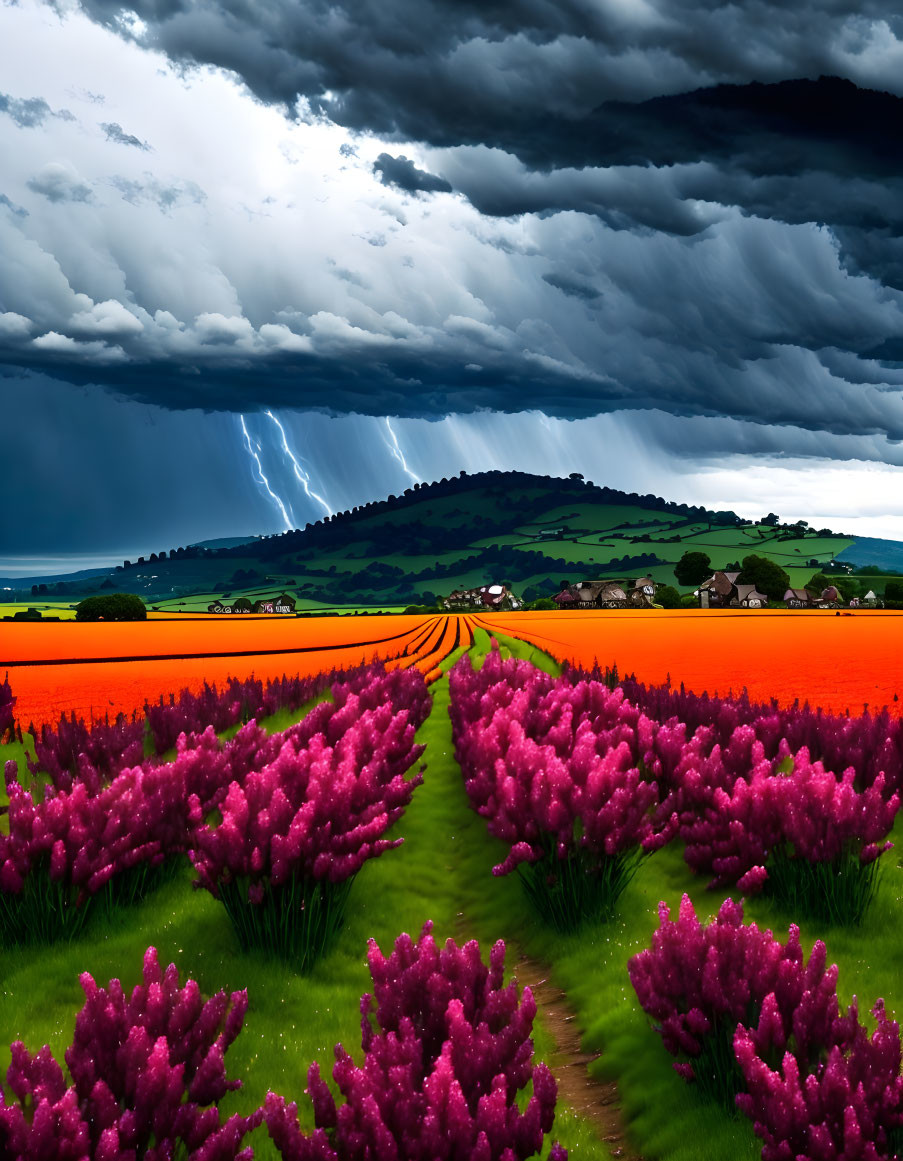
661	124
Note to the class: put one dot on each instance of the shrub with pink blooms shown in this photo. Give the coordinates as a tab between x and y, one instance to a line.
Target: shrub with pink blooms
810	838
849	1109
147	1071
698	982
447	1049
558	772
295	830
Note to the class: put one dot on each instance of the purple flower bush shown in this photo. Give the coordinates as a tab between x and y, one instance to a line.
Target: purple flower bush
447	1049
700	982
872	743
147	1071
294	831
808	836
558	771
849	1109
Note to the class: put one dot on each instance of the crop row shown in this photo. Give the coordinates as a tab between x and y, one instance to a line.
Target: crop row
581	782
447	1049
276	826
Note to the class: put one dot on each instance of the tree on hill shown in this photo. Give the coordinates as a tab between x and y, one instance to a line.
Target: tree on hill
115	607
768	577
693	568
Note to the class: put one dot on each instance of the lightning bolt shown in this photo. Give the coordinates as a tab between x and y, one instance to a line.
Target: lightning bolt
395	449
300	474
261	478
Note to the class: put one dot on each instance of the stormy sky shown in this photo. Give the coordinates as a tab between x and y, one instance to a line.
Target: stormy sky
265	259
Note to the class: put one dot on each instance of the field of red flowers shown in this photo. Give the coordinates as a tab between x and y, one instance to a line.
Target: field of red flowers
97	669
835	662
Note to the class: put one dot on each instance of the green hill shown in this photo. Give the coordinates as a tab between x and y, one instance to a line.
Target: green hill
531	531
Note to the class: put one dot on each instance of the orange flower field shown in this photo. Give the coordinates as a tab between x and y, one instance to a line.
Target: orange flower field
833	662
95	669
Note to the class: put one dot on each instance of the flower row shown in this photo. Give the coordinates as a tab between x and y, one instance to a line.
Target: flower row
757	1026
292	812
95	752
580	781
447	1048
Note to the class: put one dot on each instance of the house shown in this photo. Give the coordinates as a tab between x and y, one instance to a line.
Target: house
870	599
242	605
748	597
799	599
265	605
219	607
830	598
598	594
285	603
496	597
641	594
718	591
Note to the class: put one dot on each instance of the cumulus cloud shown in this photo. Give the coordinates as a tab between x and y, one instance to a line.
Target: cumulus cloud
58	181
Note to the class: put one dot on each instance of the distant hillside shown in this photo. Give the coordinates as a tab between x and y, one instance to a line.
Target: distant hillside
531	531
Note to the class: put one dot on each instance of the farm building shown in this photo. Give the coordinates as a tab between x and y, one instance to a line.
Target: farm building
592	595
641	593
723	591
799	599
495	596
718	591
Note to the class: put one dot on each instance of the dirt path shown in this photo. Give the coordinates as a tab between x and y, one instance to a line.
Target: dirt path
596	1100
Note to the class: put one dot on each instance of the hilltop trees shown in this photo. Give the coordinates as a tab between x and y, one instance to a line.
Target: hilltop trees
693	568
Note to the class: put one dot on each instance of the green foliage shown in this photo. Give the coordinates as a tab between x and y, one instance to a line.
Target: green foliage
768	577
893	590
838	892
669	598
581	888
114	607
541	604
693	568
297	921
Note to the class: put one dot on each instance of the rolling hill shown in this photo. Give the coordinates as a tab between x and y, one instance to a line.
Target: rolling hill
531	531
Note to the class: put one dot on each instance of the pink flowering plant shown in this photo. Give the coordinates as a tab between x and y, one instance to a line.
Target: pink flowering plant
147	1070
809	837
558	771
700	982
850	1108
292	833
447	1048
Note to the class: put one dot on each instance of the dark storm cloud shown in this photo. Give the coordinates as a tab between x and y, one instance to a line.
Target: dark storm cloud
575	287
404	174
465	71
115	132
19	211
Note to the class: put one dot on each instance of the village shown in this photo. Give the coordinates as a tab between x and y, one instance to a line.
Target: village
722	590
